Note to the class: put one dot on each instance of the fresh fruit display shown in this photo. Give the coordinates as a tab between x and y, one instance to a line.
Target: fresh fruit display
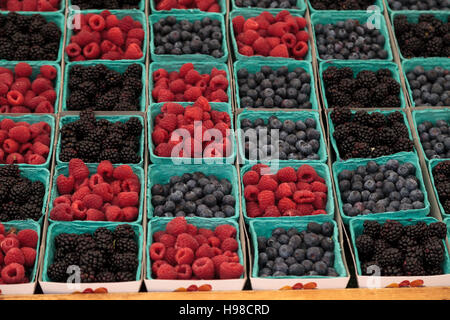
178	37
106	4
274	88
28	37
106	36
188	85
185	252
429	87
289	192
20	197
282	36
17	254
269	4
104	89
102	256
428	37
394	249
175	120
110	194
298	253
30	5
95	140
350	40
441	176
299	140
203	5
419	5
368	89
341	4
369	135
435	138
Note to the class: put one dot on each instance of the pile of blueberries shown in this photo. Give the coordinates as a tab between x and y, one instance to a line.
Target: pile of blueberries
375	188
419	5
430	87
269	4
435	139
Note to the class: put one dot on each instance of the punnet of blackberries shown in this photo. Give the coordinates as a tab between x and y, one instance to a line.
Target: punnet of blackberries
94	140
379	188
434	5
365	89
281	139
427	37
296	252
429	87
435	138
268	4
106	4
194	194
104	89
369	135
272	87
20	198
102	256
393	249
341	4
441	176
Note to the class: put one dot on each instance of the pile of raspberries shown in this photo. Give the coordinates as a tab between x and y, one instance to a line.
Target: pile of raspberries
185	252
21	94
265	35
188	85
105	36
17	254
167	138
30	5
203	5
22	142
289	192
107	4
111	194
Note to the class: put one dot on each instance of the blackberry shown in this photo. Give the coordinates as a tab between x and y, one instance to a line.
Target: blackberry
380	151
71	258
341	115
380	246
380	92
57	272
395	117
363	96
66	242
372	228
129	155
403	144
381	73
85	242
113	78
413	267
104	240
68	154
124	231
87	274
37	189
390	257
415	252
387	136
36	52
93	258
77	101
111	155
11	211
391	231
22	53
124	262
31	210
133	127
433	253
125	276
434	271
331	76
105	276
10	171
123	245
377	120
391	271
365	246
133	71
366	79
405	242
88	151
391	102
361	150
416	231
436	229
51	32
368	268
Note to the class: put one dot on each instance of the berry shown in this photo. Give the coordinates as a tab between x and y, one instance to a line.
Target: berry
28	238
203	268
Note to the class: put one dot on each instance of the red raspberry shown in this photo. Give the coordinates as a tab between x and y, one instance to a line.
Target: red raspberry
229	244
128	199
261	169
94	180
191	229
207	233
303	186
317	212
177	86
10	146
65	184
283	190
19	85
15	255
63	199
286	204
130	213
303	196
218	260
15	98
280	50
271	211
62	212
225	231
157	235
250	178
2	228
251	193
166	272
167	240
23	69
105	169
253	209
133	52
204	250
168	122
300	50
159	135
78	169
219	96
159	74
166	5
157	251
192	77
186	240
156	264
266	198
92	51
79	211
136	33
214	242
174	108
238	24
203	268
261	46
29	255
92	201
177	226
9	243
305	209
185	68
80	193
320	200
170	255
192	94
230	270
319	187
114	213
123	172
306	173
13	273
184	272
267	183
201	239
163	150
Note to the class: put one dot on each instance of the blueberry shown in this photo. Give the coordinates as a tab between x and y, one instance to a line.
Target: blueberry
295	241
321	268
271	252
308	265
299	255
327	244
416	195
281	267
311	239
354	196
328	258
283	239
314	253
331	272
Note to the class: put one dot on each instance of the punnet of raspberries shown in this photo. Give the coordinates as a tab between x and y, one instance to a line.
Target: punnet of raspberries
23	142
204	5
17	254
288	192
186	252
106	4
110	194
175	122
281	36
106	36
188	84
30	5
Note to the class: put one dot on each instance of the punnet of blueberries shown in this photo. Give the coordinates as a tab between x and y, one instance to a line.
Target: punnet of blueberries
349	40
379	188
269	4
194	194
441	176
341	4
281	139
291	252
273	87
419	5
435	138
429	87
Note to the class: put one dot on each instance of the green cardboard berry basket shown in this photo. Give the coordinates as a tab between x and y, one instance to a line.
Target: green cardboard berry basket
254	66
188	57
135	14
159	224
301	8
58	19
413	17
357	66
62	7
335	147
161	174
338	167
427	64
201	67
378	3
263	228
64	169
122	118
447	222
249	13
431	165
140	7
324	17
321	169
155	109
282	115
112	65
222	4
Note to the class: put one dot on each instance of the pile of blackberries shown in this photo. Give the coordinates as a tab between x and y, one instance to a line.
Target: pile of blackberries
103	256
106	4
368	89
269	4
20	198
364	135
341	4
435	139
374	188
429	87
274	88
194	194
28	37
292	252
401	250
441	176
419	5
429	37
93	140
184	37
281	140
349	40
